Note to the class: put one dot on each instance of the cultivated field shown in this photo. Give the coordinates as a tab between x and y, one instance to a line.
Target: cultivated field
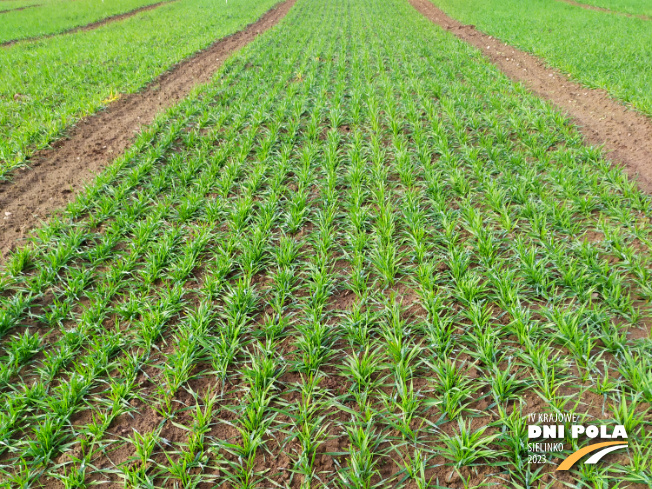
49	84
601	49
632	7
358	258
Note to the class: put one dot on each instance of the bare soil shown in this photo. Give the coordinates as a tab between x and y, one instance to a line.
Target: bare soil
602	9
625	134
91	26
56	174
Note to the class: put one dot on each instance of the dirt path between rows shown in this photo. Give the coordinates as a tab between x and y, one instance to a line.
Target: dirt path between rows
606	10
625	134
57	174
88	27
18	9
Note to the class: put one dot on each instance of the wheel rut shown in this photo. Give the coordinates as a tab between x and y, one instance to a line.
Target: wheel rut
88	27
18	9
625	134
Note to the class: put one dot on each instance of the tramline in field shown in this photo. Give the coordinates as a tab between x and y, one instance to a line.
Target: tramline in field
360	257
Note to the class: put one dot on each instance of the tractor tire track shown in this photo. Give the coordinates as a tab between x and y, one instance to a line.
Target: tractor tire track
56	174
605	10
18	9
88	27
625	134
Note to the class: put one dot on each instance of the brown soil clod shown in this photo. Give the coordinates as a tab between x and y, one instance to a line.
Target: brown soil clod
626	135
606	10
58	173
91	26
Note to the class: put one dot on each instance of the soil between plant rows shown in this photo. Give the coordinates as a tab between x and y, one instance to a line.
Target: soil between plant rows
55	175
625	134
